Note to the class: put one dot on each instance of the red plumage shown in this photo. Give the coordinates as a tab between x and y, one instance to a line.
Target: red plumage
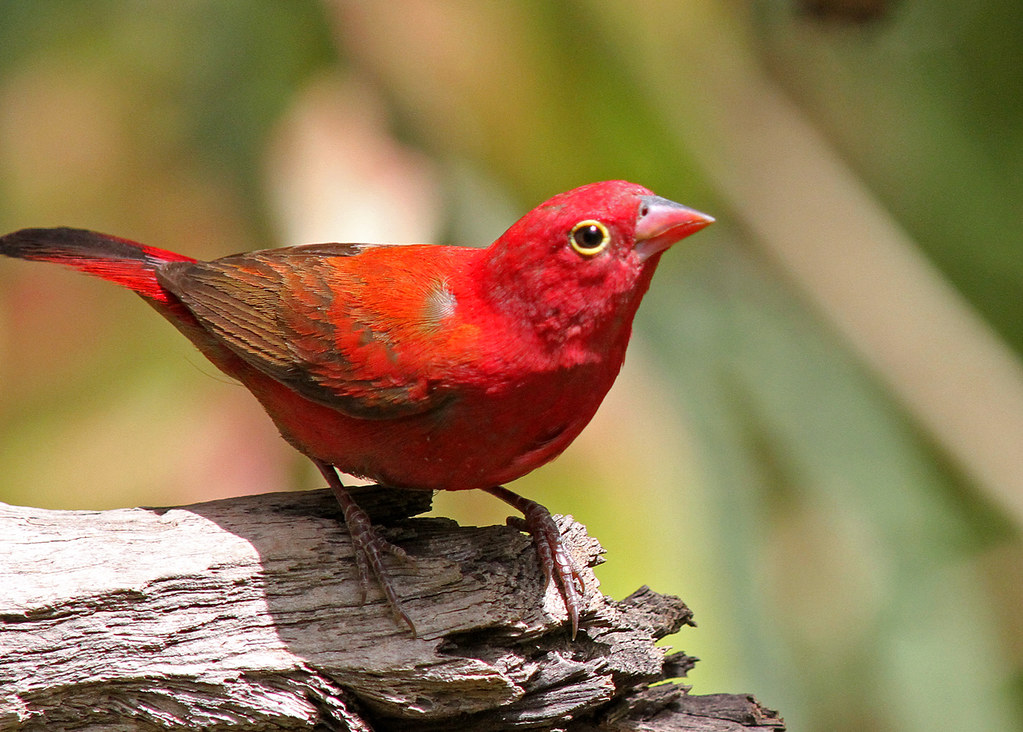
421	366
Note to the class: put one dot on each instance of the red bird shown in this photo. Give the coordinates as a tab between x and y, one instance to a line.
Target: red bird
419	366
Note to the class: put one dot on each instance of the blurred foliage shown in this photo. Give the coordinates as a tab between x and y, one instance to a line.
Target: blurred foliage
843	562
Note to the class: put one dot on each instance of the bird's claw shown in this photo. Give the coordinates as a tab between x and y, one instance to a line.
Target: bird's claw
368	547
557	564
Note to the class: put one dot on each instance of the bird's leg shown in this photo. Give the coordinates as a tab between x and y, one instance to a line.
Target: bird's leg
556	562
367	544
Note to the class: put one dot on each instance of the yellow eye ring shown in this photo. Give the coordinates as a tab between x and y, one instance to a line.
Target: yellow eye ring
589	237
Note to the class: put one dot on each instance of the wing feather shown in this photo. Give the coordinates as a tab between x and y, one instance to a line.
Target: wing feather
296	315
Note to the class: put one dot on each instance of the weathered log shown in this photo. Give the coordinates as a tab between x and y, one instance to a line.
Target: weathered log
246	614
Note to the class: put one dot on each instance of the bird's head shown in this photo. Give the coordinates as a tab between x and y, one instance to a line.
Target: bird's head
578	264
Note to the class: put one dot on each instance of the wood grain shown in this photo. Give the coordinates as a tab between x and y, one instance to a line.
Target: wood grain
246	614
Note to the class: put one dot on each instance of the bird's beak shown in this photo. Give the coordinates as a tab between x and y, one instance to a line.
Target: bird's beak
661	223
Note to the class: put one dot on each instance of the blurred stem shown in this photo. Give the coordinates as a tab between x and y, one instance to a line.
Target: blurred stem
810	212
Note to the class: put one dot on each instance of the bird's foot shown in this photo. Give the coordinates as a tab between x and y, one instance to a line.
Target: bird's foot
557	564
368	547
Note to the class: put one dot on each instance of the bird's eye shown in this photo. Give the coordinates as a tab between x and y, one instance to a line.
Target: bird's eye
589	237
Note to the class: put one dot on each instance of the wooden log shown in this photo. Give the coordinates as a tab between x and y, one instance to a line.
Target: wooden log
246	614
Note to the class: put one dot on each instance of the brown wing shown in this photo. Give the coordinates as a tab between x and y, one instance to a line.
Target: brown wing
294	314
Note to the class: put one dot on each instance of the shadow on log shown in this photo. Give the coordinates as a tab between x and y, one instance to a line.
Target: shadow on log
246	614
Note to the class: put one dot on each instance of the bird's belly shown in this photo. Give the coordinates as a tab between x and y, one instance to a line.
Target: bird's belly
475	441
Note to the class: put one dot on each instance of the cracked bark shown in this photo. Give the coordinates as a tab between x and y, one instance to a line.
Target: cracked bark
245	614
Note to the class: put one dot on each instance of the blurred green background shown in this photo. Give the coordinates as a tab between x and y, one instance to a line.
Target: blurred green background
817	440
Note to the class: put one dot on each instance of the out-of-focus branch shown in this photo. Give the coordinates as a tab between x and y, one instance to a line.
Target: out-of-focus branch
813	215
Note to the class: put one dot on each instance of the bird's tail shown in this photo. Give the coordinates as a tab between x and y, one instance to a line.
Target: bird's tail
125	262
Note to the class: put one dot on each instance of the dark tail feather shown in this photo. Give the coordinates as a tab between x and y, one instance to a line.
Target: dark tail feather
117	260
